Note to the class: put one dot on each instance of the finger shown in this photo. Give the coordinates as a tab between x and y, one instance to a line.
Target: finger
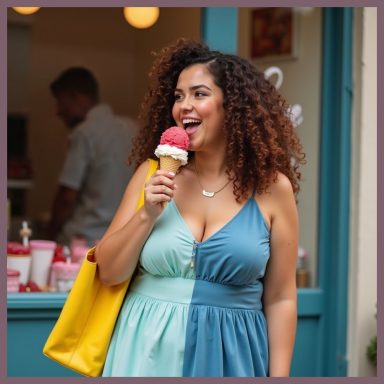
158	198
161	172
162	180
160	189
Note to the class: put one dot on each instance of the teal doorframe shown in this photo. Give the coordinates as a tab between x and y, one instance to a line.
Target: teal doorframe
334	202
219	28
324	309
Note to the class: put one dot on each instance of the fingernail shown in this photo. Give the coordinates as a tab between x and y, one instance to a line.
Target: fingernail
171	174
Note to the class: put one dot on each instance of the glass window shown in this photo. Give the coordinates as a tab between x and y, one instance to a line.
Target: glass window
299	60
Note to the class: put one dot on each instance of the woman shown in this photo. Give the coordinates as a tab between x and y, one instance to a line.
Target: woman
215	292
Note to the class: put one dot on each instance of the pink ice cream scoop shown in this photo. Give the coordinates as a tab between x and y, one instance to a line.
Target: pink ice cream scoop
172	150
175	137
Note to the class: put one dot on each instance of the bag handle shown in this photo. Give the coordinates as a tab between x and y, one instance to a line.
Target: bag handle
153	165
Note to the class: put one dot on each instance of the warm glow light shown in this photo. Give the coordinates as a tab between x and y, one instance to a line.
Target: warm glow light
141	17
26	10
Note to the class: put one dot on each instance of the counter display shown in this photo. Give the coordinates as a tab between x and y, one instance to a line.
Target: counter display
31	316
39	275
44	265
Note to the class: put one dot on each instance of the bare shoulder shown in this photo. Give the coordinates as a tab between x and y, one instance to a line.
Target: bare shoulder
281	187
277	200
279	190
282	196
142	170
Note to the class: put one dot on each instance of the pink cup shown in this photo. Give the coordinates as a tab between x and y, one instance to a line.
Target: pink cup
64	275
42	252
19	258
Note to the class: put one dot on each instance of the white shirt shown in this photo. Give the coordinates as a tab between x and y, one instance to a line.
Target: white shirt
96	166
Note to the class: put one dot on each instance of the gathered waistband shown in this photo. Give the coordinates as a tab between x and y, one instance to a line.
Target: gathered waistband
198	292
172	289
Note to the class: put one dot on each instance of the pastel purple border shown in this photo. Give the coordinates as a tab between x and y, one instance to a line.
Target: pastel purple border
195	3
182	3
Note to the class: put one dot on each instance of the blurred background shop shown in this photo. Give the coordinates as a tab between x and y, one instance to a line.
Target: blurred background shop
323	60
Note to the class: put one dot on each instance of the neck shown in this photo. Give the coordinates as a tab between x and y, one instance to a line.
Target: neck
209	166
214	178
88	105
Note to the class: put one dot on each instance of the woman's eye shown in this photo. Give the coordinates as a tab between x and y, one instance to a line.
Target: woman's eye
178	97
199	94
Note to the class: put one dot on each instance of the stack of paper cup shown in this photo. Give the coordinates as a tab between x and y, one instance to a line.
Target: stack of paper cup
13	280
42	252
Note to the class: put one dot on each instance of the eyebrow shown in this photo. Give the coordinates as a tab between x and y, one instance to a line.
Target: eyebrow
194	88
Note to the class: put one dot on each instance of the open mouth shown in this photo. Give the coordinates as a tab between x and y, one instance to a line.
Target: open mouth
191	125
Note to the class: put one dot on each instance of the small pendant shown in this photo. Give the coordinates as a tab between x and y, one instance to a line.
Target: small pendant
208	194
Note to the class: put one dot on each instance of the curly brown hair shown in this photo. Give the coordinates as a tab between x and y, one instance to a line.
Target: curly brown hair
261	139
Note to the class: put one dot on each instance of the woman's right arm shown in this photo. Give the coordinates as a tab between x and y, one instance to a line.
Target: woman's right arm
118	251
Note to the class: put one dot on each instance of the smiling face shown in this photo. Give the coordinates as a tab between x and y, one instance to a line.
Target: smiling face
199	108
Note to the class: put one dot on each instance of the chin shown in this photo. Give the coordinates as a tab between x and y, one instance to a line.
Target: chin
193	147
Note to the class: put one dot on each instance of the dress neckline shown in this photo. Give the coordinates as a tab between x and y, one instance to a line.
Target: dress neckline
219	230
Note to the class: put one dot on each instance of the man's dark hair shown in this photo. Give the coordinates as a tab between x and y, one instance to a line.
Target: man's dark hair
76	80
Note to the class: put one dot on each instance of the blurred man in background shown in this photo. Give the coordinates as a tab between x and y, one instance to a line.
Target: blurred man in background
95	172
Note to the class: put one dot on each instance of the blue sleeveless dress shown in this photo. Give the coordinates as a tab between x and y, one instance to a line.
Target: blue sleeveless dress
194	308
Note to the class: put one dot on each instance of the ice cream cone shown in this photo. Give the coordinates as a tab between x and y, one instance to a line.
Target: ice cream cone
168	163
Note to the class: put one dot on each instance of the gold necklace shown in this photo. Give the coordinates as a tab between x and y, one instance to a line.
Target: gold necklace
207	193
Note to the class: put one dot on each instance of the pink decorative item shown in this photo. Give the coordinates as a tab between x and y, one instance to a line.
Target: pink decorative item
78	248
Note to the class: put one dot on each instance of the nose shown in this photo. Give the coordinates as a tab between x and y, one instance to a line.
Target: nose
186	104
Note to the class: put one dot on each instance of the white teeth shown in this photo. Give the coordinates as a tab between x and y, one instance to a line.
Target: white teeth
191	121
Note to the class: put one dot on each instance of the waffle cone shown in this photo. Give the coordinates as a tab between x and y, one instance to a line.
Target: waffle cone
168	163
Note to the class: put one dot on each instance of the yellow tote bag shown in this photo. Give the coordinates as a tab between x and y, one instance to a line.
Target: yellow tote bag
81	335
